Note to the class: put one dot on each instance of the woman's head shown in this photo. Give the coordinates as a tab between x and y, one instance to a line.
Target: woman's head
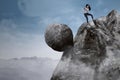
88	6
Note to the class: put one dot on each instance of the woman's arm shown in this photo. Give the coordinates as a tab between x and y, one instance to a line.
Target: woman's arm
86	10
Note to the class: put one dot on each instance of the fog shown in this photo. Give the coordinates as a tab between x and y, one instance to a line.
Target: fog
27	69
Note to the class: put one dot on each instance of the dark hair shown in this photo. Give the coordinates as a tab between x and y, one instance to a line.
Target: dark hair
88	6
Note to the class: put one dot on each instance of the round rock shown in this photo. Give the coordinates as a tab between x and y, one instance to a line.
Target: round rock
59	37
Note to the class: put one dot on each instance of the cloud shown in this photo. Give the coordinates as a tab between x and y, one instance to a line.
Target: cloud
25	45
15	43
6	25
27	69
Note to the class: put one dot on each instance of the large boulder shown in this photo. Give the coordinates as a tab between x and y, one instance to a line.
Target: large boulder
59	37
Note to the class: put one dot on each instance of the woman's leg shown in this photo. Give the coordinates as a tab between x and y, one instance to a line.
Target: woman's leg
85	14
90	15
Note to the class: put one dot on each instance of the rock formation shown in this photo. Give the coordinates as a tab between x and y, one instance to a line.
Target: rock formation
93	55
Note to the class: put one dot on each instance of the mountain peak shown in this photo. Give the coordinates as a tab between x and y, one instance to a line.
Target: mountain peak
113	12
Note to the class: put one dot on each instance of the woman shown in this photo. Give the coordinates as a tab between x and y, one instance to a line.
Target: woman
86	12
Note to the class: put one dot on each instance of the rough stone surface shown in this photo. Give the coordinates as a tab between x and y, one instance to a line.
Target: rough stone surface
59	37
95	54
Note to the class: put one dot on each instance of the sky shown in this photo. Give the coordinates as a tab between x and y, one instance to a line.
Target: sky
23	23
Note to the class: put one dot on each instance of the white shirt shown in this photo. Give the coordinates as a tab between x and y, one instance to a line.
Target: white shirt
86	10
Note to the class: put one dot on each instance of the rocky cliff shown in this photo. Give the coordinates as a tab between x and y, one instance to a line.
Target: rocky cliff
94	53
